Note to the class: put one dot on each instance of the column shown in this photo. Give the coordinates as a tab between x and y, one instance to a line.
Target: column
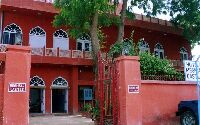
74	89
129	90
16	86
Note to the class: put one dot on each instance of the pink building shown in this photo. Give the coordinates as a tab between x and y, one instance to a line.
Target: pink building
62	67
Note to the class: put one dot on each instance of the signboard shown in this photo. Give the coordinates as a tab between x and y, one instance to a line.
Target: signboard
87	94
17	87
190	70
133	89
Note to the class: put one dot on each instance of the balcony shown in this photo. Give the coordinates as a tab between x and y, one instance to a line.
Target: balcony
177	64
36	5
57	56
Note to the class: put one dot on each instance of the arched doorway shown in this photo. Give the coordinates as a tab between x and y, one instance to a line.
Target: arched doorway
37	95
59	96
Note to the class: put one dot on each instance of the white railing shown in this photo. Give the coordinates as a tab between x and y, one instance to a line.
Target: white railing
37	51
54	52
3	48
65	53
77	54
50	52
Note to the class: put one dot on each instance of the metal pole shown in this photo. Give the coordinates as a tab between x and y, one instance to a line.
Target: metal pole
198	86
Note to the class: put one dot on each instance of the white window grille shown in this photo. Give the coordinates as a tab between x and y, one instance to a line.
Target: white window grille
183	54
84	43
37	81
159	51
60	82
61	40
37	38
144	46
12	34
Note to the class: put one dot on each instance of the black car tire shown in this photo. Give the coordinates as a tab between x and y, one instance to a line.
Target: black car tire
188	118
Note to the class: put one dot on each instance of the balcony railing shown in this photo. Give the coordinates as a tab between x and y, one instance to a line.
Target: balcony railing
177	63
54	52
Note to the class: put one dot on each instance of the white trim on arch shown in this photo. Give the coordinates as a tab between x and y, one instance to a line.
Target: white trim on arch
12	34
143	46
84	42
159	51
37	37
61	39
37	82
183	53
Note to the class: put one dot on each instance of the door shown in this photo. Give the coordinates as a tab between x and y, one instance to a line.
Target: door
59	100
36	102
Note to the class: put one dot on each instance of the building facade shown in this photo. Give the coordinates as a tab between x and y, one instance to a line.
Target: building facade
62	77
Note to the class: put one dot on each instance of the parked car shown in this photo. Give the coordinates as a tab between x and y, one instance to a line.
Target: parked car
188	112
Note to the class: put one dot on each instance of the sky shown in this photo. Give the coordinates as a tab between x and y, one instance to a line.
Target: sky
195	50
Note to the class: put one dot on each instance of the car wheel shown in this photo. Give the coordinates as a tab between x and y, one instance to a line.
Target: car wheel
188	118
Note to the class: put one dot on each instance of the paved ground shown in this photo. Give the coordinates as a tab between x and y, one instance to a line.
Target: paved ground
60	120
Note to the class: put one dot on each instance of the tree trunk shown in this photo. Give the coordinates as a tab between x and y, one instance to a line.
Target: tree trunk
122	21
94	36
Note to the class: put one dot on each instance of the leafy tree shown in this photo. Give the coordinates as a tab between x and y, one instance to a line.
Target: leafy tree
85	16
184	14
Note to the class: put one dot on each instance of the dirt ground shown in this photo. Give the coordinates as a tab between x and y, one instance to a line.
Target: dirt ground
60	120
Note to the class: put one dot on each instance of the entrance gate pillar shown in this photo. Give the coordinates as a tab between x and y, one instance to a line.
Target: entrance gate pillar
16	86
130	108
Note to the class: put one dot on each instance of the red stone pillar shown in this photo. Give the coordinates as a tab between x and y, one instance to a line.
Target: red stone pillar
74	89
129	90
16	86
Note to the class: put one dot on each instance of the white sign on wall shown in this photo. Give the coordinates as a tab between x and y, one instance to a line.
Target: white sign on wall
133	89
190	70
17	87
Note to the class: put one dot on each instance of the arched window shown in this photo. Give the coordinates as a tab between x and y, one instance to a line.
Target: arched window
159	51
12	34
36	81
183	53
84	43
37	37
60	82
143	46
61	40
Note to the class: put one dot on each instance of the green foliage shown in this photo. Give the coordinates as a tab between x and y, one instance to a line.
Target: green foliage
152	66
123	48
79	14
184	14
94	111
87	108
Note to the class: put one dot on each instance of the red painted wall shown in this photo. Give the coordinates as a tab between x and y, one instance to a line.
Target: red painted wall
1	97
29	5
170	42
160	101
49	73
154	102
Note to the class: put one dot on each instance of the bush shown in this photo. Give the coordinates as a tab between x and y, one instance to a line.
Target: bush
151	65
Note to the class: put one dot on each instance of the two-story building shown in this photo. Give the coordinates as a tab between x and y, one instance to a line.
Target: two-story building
62	67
